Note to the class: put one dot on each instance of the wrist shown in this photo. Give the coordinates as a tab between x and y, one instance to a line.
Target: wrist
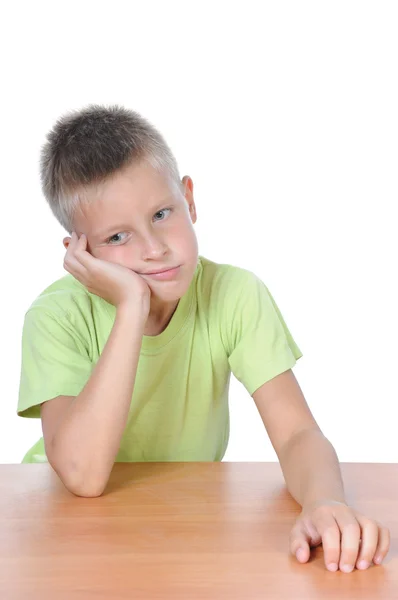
133	311
312	503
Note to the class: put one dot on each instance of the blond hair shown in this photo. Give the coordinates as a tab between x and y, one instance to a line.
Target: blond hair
87	146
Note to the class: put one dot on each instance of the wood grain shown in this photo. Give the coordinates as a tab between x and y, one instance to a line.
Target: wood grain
179	531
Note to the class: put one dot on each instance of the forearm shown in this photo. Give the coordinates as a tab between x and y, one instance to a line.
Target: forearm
87	440
311	469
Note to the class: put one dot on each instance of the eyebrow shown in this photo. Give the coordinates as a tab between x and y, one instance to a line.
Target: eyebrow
109	230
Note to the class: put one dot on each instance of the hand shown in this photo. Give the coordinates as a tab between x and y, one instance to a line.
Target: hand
112	282
362	539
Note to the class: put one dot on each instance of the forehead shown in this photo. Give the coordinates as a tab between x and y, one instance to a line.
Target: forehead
138	183
123	198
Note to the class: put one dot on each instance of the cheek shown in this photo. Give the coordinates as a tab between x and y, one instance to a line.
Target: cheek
186	247
184	234
117	254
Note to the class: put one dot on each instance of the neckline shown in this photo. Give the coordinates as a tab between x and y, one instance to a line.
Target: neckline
151	344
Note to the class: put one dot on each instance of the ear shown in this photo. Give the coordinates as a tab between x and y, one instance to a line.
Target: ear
188	186
188	193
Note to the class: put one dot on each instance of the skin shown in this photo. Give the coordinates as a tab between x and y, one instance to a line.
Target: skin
151	240
349	539
141	233
313	476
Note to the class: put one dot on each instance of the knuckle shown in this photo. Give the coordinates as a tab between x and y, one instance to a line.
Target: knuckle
330	530
369	529
374	527
323	512
321	509
385	535
352	528
331	527
385	531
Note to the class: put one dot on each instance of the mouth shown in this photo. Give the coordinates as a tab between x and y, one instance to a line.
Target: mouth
160	271
165	274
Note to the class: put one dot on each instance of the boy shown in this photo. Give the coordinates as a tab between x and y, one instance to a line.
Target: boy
128	358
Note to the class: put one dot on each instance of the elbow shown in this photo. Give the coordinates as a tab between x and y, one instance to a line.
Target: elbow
84	488
78	482
85	484
80	478
83	492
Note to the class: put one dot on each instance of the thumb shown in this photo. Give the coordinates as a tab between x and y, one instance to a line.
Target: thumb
299	544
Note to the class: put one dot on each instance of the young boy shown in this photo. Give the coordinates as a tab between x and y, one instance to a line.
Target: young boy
129	357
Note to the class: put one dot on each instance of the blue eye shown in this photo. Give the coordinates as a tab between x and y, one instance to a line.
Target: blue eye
163	209
121	233
113	236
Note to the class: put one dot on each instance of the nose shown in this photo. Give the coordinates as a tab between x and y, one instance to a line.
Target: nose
154	246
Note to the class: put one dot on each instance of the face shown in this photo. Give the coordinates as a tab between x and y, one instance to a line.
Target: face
141	220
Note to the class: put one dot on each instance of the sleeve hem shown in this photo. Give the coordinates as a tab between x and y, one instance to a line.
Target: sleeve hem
280	364
31	410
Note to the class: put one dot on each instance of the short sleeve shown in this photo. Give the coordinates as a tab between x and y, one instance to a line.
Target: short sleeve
55	361
260	343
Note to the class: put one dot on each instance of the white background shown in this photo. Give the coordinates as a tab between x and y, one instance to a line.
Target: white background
285	116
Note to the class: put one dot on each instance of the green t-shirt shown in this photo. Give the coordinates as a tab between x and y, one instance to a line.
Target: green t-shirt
226	321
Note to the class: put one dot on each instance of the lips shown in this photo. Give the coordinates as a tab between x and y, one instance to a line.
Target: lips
168	275
160	271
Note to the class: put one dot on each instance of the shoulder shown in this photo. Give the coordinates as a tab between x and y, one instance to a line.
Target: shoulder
66	311
65	297
226	280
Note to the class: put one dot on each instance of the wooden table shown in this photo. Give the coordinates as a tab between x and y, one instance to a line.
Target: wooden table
179	531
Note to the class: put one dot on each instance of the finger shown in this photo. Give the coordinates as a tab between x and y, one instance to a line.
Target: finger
83	240
73	239
77	248
299	543
72	244
370	538
350	536
330	534
75	268
72	260
81	243
383	545
84	257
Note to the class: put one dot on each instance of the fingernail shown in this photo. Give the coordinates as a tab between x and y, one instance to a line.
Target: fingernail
378	559
363	564
333	567
347	568
300	554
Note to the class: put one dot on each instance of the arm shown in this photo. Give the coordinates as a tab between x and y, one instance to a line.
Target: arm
308	460
312	473
82	441
311	469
